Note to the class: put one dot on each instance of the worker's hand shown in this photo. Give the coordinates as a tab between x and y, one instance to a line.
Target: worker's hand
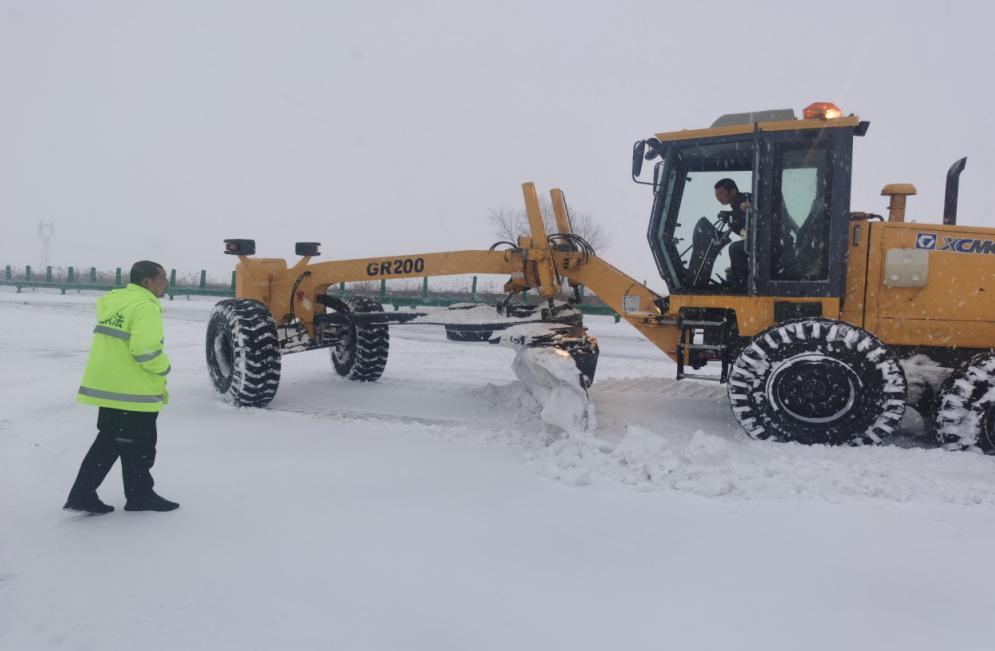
725	215
744	206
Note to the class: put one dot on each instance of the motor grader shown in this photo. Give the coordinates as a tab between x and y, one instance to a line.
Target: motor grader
814	345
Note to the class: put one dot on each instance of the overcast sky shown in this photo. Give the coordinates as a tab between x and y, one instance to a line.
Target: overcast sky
157	129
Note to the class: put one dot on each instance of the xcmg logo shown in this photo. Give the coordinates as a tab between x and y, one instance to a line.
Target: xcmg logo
955	244
967	245
925	240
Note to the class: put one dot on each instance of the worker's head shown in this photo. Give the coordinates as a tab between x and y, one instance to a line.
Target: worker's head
726	191
151	276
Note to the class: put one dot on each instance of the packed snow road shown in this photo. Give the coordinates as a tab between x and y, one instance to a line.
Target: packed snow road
434	510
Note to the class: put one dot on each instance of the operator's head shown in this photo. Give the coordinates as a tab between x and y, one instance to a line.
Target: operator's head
151	276
726	191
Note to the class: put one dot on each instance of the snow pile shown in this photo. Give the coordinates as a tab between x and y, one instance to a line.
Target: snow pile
649	438
711	465
921	374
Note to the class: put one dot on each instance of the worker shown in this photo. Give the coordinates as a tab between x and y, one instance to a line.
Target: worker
125	377
728	194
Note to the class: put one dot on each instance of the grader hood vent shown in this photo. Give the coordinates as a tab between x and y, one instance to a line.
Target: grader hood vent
730	119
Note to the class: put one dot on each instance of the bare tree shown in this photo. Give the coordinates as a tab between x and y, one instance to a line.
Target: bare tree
509	224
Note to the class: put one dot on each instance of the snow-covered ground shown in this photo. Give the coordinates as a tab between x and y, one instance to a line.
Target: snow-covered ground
433	510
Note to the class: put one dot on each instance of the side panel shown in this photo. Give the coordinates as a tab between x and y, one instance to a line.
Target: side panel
753	313
956	307
854	300
252	277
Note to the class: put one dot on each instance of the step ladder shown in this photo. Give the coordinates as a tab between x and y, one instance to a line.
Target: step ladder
693	328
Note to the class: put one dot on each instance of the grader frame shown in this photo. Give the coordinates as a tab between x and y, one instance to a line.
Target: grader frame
539	261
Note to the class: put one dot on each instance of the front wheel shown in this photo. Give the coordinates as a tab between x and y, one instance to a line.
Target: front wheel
243	353
817	381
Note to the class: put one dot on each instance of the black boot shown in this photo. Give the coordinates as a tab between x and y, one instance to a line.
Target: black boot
150	502
91	505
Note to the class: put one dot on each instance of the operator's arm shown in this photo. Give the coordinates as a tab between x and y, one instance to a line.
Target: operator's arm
146	341
736	221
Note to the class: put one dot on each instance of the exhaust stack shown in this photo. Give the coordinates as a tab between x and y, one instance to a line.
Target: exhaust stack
953	187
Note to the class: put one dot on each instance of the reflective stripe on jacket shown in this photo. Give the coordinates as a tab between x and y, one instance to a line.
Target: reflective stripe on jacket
127	366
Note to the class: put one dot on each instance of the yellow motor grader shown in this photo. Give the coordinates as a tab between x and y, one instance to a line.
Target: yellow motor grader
813	334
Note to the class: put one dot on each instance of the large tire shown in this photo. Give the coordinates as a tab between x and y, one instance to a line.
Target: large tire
243	352
965	418
817	381
361	353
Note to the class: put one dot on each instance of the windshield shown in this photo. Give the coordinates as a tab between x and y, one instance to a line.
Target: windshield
691	245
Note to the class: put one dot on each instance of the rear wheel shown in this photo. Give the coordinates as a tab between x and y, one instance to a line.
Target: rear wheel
965	417
243	353
817	381
361	353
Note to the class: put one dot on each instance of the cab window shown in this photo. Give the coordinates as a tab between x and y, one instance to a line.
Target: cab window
686	210
800	214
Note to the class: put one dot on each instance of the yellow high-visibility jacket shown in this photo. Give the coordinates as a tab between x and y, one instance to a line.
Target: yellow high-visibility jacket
127	367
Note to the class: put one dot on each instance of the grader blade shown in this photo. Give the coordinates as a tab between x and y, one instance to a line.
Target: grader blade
556	365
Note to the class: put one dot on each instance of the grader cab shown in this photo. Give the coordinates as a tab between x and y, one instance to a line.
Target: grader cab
836	304
814	331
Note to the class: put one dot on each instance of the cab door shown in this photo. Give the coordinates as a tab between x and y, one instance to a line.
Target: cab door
801	213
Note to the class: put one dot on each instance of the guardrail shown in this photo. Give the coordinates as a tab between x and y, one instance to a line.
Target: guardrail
74	282
71	283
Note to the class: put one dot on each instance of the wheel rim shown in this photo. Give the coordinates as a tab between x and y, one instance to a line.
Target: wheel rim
987	442
813	388
343	351
224	353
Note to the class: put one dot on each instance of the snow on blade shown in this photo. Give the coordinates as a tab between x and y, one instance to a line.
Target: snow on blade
551	377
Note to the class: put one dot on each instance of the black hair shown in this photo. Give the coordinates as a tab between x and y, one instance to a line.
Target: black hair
726	184
145	270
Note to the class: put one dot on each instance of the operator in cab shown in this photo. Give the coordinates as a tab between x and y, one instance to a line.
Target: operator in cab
728	194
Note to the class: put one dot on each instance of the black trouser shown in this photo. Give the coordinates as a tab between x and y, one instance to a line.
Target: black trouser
739	265
130	435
